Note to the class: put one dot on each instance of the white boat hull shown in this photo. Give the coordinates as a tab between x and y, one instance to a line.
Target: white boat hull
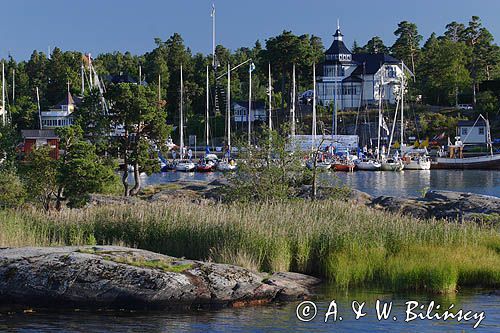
488	162
185	167
369	166
418	165
225	166
392	166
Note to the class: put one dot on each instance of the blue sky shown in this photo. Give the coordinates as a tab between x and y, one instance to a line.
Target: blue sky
98	26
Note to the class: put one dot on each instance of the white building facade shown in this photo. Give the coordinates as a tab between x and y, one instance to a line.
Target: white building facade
60	115
349	81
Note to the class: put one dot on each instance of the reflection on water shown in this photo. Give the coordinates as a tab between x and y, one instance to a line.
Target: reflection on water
274	318
406	183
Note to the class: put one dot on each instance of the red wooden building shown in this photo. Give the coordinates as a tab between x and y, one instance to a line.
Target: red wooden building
33	139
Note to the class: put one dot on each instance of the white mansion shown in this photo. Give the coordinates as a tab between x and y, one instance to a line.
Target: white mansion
354	80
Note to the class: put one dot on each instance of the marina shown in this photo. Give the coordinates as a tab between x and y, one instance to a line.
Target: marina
406	183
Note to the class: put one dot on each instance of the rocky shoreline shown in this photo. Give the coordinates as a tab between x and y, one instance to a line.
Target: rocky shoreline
448	205
113	277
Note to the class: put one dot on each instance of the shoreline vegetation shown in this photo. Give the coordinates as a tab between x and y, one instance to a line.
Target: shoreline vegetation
347	244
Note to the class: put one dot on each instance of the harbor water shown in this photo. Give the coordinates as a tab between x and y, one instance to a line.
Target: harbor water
409	183
270	318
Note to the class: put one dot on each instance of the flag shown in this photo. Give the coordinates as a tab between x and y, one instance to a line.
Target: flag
252	67
212	13
383	124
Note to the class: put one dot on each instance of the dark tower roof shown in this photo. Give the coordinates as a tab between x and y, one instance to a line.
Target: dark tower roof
338	46
66	101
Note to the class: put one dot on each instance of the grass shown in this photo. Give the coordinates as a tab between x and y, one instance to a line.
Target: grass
129	259
346	244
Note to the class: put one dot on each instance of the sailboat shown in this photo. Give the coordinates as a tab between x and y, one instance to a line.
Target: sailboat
321	163
391	163
412	159
182	164
228	164
207	163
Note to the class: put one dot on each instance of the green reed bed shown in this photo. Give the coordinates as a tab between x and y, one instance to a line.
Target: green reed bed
347	244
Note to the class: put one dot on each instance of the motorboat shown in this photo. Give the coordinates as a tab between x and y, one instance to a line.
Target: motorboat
392	164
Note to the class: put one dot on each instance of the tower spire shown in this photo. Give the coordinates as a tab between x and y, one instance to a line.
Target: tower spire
338	24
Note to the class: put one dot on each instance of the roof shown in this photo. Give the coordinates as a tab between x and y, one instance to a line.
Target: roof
372	62
33	134
338	47
121	78
470	123
256	105
352	79
68	100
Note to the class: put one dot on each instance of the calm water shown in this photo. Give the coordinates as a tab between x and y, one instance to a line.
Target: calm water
406	183
274	318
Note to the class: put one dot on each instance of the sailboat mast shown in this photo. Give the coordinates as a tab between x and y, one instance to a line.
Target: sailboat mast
314	108
402	107
270	122
292	124
181	122
3	93
207	111
13	86
212	14
39	109
229	107
249	103
380	122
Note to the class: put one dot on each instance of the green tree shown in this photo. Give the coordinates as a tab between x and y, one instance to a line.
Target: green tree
376	45
407	45
136	109
12	192
488	103
40	176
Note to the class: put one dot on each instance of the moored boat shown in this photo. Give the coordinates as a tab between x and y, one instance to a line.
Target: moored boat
227	165
366	164
392	165
185	166
321	165
205	166
417	163
343	166
487	162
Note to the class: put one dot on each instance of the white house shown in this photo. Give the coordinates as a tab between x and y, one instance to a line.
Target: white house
470	134
240	111
60	115
353	80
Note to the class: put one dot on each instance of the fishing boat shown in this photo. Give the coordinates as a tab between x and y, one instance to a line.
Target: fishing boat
392	164
367	164
456	160
185	166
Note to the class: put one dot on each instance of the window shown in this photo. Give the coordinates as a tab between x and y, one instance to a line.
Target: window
465	131
481	130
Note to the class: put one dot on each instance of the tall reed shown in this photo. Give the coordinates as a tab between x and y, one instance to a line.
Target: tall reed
347	244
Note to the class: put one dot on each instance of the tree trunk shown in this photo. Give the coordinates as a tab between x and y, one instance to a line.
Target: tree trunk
137	180
125	181
59	198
